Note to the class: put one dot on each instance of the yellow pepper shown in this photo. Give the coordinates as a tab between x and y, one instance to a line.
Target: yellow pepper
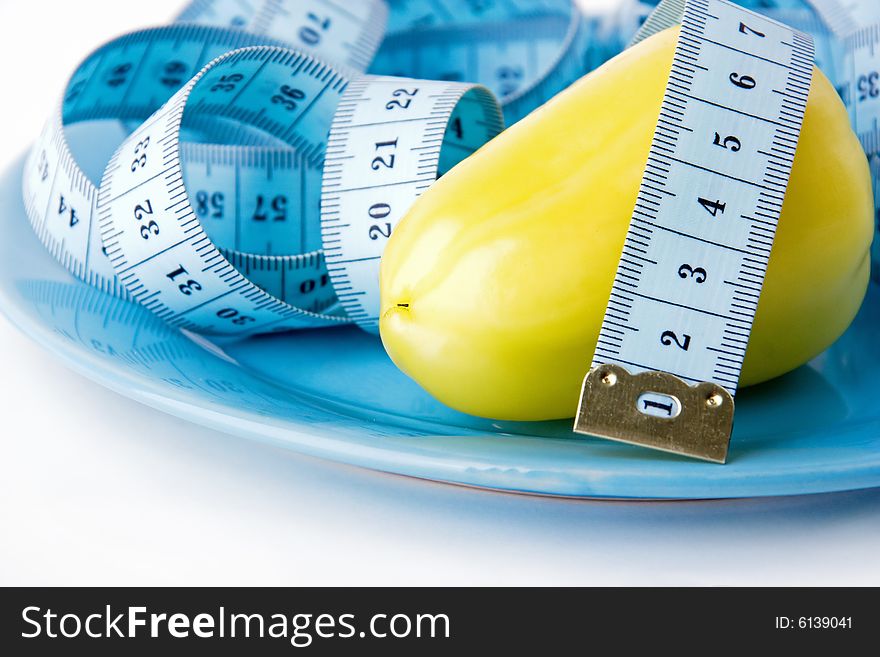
495	284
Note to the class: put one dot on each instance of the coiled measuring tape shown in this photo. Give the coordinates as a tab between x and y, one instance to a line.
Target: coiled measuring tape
343	33
247	244
152	234
675	331
260	195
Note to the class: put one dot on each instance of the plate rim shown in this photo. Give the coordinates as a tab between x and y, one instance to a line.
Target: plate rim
863	474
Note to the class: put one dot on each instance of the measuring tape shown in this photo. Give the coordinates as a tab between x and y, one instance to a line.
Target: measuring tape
676	393
526	50
845	34
343	33
247	246
60	199
259	184
151	231
675	332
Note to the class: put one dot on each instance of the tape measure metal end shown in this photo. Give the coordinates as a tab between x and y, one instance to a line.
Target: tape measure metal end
656	410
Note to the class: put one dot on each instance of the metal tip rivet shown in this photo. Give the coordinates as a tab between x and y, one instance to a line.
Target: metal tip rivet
714	400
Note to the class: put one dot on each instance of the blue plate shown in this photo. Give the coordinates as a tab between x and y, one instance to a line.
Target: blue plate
335	394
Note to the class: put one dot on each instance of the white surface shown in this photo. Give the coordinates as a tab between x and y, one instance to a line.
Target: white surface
96	489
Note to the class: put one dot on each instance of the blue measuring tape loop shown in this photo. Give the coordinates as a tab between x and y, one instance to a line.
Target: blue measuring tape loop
126	79
166	260
255	189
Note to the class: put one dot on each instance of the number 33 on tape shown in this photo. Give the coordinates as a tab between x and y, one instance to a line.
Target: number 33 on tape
675	331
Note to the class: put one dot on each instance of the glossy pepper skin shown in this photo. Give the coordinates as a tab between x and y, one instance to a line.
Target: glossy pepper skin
495	284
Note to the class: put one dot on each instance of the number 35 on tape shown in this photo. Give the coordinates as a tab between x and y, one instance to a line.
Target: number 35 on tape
199	232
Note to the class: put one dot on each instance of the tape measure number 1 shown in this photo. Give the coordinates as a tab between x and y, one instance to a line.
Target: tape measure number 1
686	291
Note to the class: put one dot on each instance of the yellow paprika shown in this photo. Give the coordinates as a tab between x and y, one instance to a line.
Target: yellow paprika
495	284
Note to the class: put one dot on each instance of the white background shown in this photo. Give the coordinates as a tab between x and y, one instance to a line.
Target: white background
96	489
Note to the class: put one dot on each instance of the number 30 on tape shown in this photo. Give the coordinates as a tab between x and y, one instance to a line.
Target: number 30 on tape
211	212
